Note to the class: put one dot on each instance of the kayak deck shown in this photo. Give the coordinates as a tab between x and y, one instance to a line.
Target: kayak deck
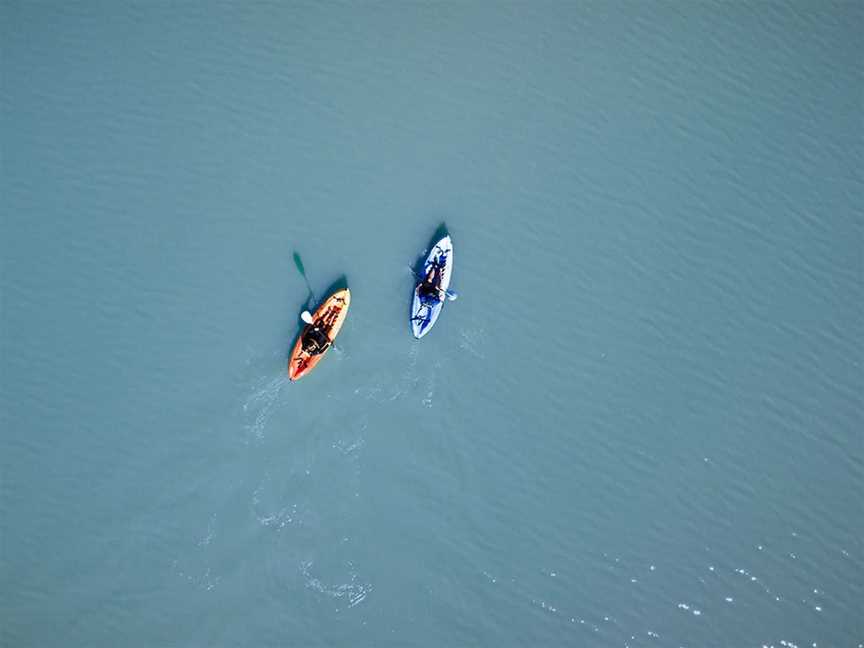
332	313
425	313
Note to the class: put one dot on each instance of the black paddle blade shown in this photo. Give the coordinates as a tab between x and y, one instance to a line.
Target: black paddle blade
299	263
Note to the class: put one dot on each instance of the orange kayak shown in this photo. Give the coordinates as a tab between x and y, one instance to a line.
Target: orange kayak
329	317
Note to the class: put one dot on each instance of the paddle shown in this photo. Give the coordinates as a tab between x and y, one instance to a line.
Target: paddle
306	316
299	263
452	295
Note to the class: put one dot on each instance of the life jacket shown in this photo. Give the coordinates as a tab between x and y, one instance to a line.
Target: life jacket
315	341
429	290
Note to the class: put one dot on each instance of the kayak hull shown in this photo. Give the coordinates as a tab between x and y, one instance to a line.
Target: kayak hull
424	315
301	363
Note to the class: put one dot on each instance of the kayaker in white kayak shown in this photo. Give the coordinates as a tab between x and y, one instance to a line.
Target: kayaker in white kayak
430	288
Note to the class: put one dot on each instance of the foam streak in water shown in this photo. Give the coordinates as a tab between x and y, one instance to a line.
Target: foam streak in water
262	403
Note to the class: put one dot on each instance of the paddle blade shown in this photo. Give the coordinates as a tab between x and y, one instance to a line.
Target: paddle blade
299	263
306	316
452	295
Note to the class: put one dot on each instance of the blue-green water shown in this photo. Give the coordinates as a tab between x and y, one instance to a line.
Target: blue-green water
640	424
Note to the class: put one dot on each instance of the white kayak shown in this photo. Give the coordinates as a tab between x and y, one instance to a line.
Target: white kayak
426	308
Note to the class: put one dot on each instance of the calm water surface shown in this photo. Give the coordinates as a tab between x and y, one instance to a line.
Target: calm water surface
640	424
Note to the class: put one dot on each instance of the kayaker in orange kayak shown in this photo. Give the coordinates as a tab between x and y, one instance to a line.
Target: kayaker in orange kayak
316	340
